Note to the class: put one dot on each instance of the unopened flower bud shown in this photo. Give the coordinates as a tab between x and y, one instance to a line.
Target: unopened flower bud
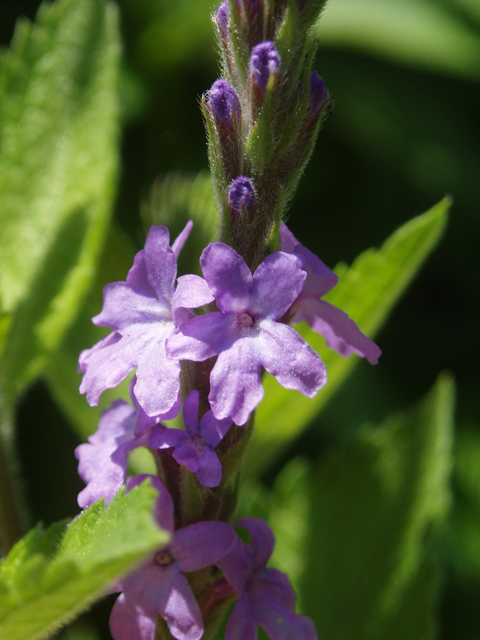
223	17
264	61
318	93
224	102
241	195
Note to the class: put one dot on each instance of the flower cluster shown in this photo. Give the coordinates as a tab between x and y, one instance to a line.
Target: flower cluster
200	346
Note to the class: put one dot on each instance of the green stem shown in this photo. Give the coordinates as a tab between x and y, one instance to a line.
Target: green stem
12	510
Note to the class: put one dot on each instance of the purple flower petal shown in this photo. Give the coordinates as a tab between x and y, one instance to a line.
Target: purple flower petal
190	412
202	544
167	438
160	263
87	354
128	308
202	337
106	366
209	471
262	539
182	237
214	430
103	461
277	622
158	377
286	355
277	282
320	279
340	332
236	388
137	276
181	611
228	277
241	625
191	292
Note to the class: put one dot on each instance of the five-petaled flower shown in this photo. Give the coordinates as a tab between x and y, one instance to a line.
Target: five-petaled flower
266	597
159	587
143	312
245	333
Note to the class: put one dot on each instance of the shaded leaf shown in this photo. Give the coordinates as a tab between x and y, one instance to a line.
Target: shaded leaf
420	33
376	510
367	291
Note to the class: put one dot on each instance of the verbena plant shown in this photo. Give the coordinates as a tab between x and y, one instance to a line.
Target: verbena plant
218	360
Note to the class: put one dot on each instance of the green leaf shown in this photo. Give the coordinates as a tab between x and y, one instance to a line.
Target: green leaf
50	576
58	166
464	539
367	291
376	510
177	198
421	33
61	373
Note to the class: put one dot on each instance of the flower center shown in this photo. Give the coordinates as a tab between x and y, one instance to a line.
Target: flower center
197	442
244	321
163	558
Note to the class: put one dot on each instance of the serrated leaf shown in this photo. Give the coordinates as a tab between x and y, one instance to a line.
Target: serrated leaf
367	291
58	163
51	576
376	510
421	33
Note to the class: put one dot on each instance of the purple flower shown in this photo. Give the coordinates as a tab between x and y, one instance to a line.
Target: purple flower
264	62
266	597
102	462
194	446
224	102
143	311
340	332
159	586
318	93
241	195
245	334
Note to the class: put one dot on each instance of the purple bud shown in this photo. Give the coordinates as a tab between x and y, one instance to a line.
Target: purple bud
241	195
318	93
223	16
264	61
224	102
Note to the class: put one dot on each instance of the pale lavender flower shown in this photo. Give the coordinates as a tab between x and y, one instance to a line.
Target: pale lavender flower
143	312
264	62
194	446
102	462
340	332
159	587
245	333
241	195
266	597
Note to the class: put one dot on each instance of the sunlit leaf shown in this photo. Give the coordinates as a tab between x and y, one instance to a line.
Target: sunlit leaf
58	164
51	576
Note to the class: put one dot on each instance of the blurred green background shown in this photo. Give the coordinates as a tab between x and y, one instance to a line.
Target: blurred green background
405	131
